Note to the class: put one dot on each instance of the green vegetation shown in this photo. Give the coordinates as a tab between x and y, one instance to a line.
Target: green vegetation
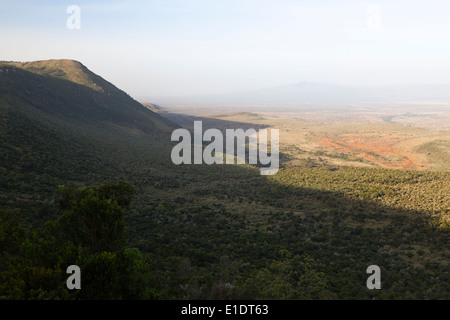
438	151
204	232
76	102
88	233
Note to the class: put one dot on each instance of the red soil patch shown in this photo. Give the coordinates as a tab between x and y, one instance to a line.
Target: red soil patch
373	149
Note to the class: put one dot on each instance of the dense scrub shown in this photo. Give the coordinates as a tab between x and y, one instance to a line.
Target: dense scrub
209	232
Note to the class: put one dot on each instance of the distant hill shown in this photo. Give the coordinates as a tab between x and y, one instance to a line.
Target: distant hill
314	93
154	107
68	94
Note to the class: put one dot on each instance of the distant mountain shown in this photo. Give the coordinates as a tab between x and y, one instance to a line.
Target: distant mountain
66	93
308	92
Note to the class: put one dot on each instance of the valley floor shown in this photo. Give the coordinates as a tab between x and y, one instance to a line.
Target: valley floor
406	141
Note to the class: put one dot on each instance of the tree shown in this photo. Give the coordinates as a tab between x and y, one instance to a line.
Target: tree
93	217
288	278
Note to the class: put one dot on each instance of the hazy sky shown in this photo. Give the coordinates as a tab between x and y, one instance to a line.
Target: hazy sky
171	47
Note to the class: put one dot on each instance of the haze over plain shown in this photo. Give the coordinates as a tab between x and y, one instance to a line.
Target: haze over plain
170	48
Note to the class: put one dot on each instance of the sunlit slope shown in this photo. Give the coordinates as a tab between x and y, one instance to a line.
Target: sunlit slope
67	92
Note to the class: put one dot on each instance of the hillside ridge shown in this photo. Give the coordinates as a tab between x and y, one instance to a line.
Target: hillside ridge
66	90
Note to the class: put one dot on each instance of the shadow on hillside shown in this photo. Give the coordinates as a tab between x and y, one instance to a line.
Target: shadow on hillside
260	215
240	214
66	104
187	122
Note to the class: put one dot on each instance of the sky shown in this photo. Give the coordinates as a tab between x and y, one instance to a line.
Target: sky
181	47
